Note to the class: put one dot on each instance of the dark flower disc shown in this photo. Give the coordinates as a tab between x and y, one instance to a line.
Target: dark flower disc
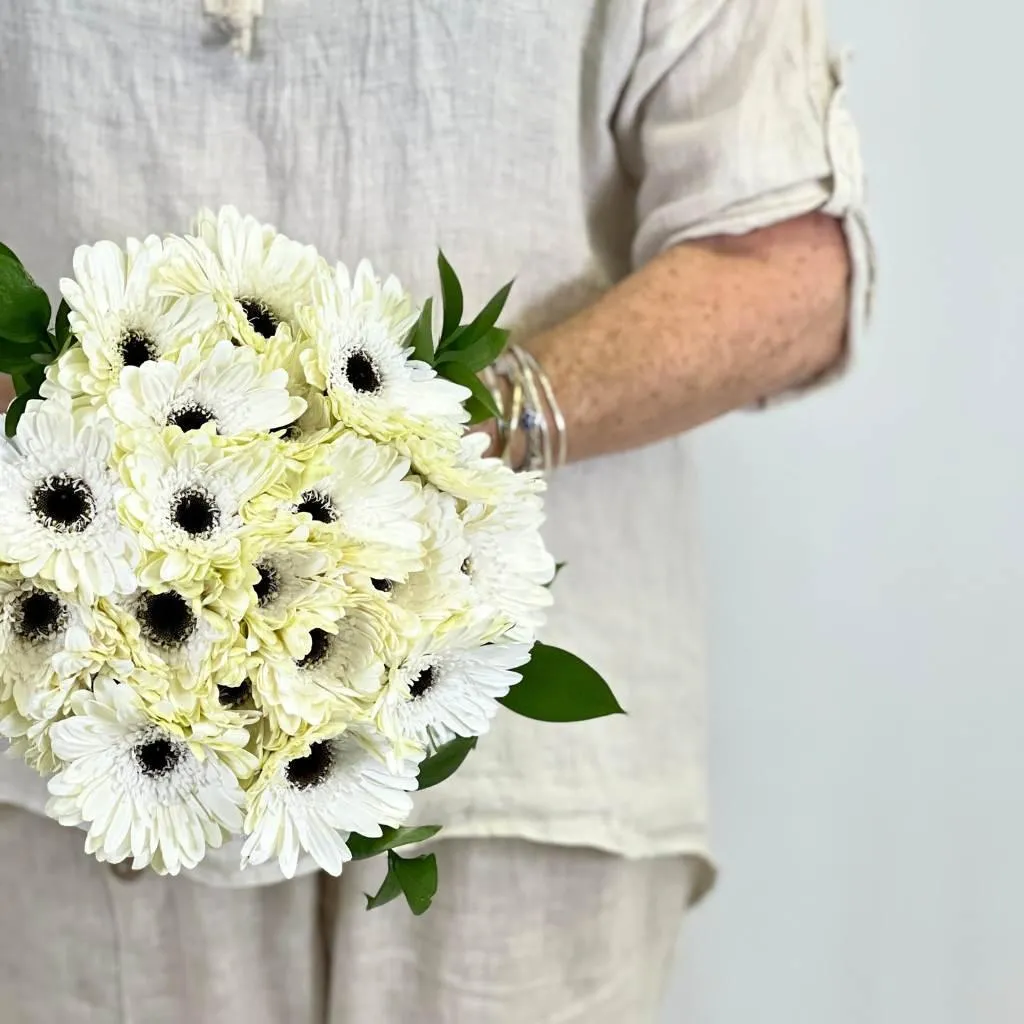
39	616
157	757
313	769
423	682
362	373
166	619
63	503
260	317
195	512
136	348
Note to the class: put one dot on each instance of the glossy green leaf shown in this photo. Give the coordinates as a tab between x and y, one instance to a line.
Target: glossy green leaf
24	307
362	847
482	405
16	409
451	294
445	761
470	333
418	878
390	888
6	251
61	327
421	337
481	353
19	359
557	686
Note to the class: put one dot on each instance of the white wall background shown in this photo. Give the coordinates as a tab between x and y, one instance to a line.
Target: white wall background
866	562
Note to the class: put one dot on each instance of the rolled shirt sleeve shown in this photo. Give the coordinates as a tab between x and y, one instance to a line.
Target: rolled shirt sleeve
735	118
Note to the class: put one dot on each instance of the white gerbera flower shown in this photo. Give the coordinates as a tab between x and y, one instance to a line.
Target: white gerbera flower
119	318
360	499
442	586
296	588
58	503
461	469
360	360
509	567
46	641
187	639
449	681
316	791
257	276
221	384
49	645
311	688
185	499
142	788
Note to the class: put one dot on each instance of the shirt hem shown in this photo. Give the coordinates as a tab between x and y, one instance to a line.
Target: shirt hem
630	846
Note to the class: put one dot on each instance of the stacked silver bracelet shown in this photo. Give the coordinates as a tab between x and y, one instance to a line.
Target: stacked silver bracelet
531	408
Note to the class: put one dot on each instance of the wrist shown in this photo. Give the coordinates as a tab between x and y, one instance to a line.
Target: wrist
530	431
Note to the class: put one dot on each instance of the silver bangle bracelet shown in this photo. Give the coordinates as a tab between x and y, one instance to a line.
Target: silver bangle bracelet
531	409
553	407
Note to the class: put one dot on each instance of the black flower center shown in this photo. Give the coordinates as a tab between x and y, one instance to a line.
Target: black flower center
190	417
194	511
384	586
63	503
157	757
261	320
318	505
362	373
313	769
269	583
467	566
39	616
423	682
136	348
234	696
166	619
319	648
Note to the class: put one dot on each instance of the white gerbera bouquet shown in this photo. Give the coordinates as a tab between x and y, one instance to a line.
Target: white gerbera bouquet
256	579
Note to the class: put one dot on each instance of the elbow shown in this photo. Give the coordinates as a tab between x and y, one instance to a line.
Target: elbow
823	270
808	262
803	279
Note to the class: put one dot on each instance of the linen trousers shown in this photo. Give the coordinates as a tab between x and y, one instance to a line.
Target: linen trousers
519	933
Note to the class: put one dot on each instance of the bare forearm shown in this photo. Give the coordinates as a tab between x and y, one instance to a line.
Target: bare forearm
702	329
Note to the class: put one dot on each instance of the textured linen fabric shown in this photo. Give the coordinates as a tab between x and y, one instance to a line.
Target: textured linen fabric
559	143
531	934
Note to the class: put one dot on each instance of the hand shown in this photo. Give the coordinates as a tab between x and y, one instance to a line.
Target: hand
6	392
516	443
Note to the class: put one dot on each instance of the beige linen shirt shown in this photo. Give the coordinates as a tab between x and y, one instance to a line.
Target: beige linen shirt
560	143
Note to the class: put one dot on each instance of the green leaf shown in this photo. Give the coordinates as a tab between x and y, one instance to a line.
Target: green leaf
445	761
557	686
421	337
15	410
471	333
451	293
5	251
24	307
481	353
418	878
481	405
61	327
19	359
390	888
362	847
559	566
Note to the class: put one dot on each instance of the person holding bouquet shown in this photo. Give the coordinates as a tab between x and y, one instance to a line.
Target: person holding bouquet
675	187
